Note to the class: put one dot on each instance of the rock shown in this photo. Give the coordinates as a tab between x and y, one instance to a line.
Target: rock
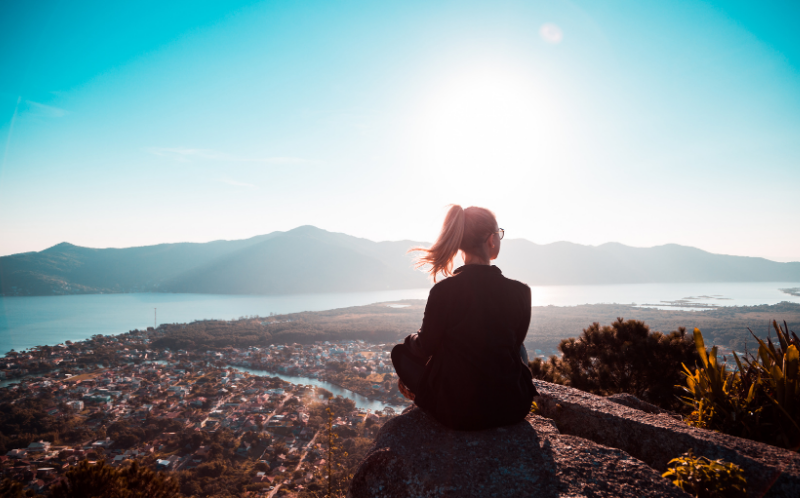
632	401
413	455
656	438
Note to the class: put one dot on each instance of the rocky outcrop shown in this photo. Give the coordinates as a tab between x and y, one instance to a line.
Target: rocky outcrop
656	438
586	446
414	455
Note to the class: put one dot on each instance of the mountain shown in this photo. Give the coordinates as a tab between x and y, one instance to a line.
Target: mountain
565	263
303	260
308	259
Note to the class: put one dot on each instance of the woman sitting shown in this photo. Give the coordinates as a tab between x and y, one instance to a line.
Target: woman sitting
464	365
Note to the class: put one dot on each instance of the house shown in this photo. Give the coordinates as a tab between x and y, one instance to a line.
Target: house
75	406
18	453
263	477
39	447
103	443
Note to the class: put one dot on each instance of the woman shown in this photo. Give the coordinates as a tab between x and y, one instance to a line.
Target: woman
463	366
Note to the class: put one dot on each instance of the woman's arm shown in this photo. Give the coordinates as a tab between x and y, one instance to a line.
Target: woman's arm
425	342
525	321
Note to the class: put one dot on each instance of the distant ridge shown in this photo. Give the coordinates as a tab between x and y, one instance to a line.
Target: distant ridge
565	263
303	260
308	259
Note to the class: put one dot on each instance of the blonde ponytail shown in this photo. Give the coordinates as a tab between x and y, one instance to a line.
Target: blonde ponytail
462	229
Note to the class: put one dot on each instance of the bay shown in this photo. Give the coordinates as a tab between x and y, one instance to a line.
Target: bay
26	322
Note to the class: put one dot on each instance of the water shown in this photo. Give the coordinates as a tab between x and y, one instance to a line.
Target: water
32	321
26	322
666	296
361	401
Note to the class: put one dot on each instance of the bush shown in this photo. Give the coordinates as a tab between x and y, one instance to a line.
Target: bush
705	478
625	357
759	401
211	469
103	481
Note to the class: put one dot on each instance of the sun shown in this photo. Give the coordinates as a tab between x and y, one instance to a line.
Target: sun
486	113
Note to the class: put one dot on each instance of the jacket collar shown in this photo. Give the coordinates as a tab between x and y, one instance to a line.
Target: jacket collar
477	268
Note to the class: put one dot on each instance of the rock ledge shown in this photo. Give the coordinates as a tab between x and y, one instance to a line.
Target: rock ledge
414	455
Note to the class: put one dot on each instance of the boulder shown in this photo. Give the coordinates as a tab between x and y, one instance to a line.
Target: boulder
656	438
413	455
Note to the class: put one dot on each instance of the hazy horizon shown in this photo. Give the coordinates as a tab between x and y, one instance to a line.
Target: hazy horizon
128	125
391	240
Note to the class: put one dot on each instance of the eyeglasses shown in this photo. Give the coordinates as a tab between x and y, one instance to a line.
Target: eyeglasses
501	232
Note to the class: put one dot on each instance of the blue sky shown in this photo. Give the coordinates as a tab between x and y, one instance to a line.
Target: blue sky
637	122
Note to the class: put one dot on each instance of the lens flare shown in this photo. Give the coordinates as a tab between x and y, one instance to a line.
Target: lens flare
551	33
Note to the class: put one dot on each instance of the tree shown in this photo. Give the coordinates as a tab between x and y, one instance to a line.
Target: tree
103	481
10	488
625	357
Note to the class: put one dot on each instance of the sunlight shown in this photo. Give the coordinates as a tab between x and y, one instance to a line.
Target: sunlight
489	115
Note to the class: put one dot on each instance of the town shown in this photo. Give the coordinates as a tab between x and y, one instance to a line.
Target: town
200	416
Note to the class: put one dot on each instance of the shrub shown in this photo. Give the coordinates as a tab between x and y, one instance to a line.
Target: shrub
625	357
103	481
759	401
706	478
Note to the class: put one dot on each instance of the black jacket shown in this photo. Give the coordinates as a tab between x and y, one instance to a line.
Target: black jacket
474	325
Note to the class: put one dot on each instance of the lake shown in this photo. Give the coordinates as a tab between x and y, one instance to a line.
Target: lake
32	321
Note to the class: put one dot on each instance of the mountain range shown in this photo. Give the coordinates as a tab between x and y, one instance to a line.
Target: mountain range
311	260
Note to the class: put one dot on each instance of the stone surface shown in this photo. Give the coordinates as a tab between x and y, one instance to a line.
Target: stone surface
632	401
415	456
656	438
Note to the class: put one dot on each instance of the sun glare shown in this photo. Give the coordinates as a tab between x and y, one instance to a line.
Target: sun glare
488	115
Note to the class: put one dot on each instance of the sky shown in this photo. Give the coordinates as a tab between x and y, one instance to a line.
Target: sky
136	123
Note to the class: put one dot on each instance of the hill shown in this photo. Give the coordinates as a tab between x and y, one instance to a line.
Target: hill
302	260
308	259
565	263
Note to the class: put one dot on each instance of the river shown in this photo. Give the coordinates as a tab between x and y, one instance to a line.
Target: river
361	401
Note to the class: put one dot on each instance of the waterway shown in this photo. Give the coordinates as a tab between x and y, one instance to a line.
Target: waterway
361	401
26	322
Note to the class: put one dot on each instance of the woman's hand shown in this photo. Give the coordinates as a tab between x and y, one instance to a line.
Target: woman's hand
404	390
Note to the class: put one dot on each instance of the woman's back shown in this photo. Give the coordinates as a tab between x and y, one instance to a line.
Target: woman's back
464	366
474	325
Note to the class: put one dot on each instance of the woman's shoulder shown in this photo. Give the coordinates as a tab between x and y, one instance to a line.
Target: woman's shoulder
462	275
517	287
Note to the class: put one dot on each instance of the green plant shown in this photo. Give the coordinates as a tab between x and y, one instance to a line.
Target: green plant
721	400
760	400
706	478
780	367
624	357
